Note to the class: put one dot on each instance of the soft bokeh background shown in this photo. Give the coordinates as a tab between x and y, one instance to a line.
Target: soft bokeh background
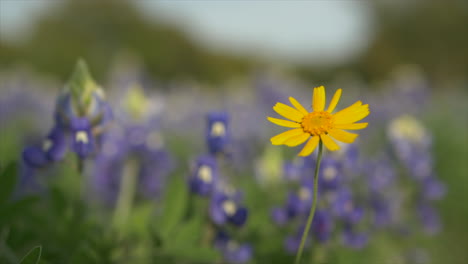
198	56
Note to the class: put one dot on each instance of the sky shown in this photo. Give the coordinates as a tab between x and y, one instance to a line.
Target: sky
306	32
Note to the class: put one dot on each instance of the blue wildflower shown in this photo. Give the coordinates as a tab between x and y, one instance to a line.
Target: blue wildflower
232	251
217	133
205	176
226	208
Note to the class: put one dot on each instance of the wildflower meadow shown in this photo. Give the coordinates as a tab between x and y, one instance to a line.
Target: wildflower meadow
132	163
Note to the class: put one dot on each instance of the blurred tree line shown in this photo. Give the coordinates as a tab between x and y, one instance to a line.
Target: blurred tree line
432	34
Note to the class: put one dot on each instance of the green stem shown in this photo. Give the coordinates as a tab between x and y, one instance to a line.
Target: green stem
312	209
126	194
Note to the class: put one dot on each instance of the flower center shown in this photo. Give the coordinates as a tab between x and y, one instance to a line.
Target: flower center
218	129
317	123
204	172
229	207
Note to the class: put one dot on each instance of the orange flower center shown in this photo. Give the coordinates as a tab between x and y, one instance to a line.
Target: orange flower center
317	123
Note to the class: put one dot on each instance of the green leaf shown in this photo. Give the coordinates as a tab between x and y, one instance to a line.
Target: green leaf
33	256
175	205
140	218
17	208
7	182
187	235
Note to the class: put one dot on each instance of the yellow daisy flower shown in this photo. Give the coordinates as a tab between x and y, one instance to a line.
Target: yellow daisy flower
320	124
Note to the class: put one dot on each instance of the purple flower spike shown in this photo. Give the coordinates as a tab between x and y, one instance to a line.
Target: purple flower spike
330	174
299	202
217	132
322	225
205	176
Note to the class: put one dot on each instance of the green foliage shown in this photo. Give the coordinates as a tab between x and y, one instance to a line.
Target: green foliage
8	180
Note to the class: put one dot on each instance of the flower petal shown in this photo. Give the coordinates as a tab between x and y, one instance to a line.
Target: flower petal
285	123
342	135
329	143
298	106
354	126
309	146
297	140
334	101
318	100
288	112
351	114
281	138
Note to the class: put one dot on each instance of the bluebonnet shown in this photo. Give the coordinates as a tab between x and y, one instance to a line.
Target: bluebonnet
337	208
152	168
218	135
412	147
227	208
205	176
225	203
232	251
81	116
135	140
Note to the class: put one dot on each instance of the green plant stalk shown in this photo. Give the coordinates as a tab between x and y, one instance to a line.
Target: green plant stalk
126	194
312	209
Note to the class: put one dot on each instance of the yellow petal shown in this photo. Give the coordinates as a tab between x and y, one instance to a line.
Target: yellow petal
297	140
334	101
298	106
329	143
309	146
353	115
318	100
354	126
288	112
285	123
352	107
342	135
281	138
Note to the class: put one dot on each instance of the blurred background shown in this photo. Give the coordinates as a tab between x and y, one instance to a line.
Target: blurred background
169	63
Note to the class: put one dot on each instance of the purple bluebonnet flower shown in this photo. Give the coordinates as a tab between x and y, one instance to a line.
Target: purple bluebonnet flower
81	115
345	208
299	202
53	149
380	174
330	174
429	218
281	216
232	251
322	226
205	176
292	242
226	208
153	163
433	189
217	132
353	239
292	172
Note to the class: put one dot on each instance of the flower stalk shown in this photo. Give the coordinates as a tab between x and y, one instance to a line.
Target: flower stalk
312	209
126	194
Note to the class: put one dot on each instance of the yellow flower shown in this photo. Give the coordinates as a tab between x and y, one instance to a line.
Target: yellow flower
320	124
